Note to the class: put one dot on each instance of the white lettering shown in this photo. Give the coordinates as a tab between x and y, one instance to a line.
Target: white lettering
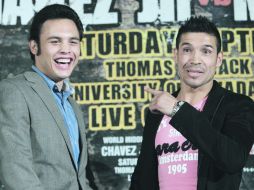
12	10
110	140
240	10
178	168
174	133
183	9
178	158
124	170
25	9
118	151
164	10
133	139
39	4
127	161
101	14
78	6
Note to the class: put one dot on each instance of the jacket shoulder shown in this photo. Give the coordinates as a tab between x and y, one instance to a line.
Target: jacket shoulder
232	96
16	80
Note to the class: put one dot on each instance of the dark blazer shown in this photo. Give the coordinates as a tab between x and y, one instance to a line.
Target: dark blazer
223	134
36	152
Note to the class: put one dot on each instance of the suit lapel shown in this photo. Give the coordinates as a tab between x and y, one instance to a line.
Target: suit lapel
83	144
215	97
213	102
41	88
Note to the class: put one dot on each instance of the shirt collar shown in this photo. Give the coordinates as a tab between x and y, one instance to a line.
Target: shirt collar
52	85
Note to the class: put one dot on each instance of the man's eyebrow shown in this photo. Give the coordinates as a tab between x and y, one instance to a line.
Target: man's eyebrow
209	46
206	45
75	38
53	37
56	37
185	43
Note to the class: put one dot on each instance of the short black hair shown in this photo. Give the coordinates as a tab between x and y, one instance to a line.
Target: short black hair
54	11
199	24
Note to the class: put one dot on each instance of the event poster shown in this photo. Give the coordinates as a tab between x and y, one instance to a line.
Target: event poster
127	45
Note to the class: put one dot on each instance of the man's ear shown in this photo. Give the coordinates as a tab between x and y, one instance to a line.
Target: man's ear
219	59
33	46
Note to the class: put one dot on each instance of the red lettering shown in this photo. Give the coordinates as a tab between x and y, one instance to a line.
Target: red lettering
216	2
203	2
222	2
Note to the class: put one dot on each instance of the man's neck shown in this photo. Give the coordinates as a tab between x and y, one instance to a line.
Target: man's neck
60	85
194	95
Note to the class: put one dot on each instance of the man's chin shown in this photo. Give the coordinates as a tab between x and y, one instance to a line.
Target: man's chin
60	78
197	84
193	84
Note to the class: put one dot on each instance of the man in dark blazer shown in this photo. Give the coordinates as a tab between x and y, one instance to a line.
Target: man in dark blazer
42	132
199	137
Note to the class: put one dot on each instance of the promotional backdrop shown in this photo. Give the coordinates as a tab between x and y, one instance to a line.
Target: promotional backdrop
127	45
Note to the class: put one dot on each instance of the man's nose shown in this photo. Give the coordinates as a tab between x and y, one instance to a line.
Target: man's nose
195	57
65	47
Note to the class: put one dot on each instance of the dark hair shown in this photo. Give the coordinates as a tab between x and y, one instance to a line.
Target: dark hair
55	11
199	24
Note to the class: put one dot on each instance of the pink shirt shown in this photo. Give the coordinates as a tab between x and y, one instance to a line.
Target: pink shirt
177	157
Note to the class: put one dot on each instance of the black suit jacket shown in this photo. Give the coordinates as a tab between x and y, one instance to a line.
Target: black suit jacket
223	134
